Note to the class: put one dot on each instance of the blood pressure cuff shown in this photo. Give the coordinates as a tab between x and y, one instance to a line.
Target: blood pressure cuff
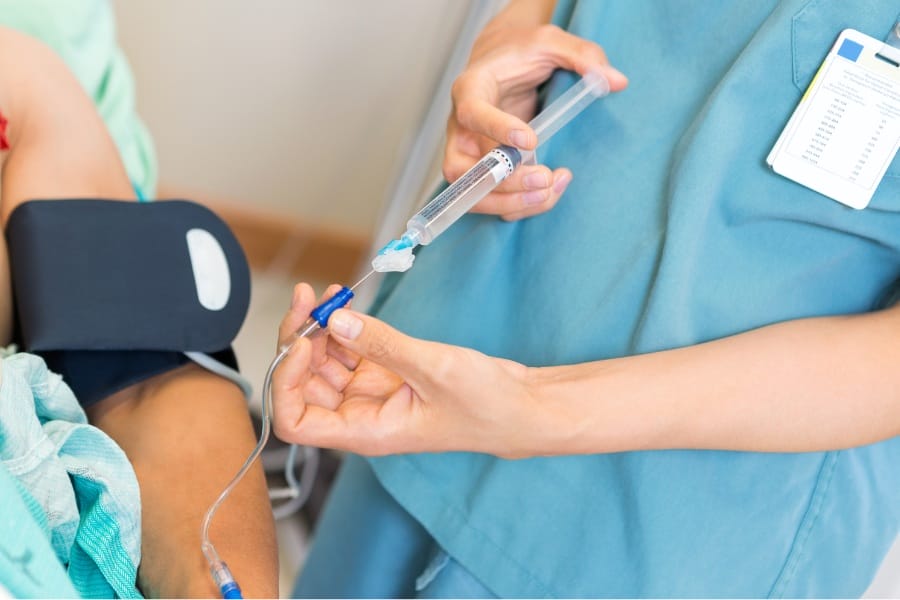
111	293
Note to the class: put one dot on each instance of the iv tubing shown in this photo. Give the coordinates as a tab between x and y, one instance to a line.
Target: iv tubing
220	572
318	319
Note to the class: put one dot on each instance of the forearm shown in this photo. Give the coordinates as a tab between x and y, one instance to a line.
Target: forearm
797	386
187	432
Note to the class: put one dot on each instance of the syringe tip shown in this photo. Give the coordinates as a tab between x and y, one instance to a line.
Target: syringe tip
396	245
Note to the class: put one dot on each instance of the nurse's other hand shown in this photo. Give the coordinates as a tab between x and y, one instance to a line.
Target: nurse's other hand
374	391
495	96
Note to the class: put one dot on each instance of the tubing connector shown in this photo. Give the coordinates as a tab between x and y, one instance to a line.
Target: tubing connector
410	239
322	312
225	581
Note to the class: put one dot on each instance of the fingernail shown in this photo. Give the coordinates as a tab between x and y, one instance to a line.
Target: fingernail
560	185
518	138
535	181
295	298
617	72
532	198
345	325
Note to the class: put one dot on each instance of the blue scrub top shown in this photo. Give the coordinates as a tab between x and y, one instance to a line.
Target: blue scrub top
672	232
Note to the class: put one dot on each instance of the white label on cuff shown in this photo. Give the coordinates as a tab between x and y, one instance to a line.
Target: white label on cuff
211	275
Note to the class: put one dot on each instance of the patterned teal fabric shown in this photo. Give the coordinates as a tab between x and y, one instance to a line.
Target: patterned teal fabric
28	565
76	480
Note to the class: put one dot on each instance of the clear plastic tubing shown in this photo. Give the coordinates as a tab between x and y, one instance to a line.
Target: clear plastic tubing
317	321
476	183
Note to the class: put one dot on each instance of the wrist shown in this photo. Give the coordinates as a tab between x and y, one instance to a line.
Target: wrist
604	406
519	14
558	419
525	13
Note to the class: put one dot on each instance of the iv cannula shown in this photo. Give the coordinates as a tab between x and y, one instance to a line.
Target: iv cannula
428	223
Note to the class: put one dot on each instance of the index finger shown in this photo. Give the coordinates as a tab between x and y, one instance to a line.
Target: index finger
302	302
475	98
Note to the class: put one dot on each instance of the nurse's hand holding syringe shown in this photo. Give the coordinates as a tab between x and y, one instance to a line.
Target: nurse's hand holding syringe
495	166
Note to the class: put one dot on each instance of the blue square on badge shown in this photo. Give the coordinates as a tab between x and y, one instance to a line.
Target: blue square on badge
850	50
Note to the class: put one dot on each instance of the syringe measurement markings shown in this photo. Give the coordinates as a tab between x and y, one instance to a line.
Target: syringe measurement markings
457	188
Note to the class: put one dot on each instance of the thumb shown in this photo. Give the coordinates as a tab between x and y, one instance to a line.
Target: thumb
616	79
381	343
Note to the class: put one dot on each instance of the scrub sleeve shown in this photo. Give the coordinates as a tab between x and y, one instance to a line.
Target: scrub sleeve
673	232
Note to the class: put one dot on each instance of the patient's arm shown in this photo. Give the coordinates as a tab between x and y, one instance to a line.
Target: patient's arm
187	431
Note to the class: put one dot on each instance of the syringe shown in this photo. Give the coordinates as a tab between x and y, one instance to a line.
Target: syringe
427	224
470	188
498	164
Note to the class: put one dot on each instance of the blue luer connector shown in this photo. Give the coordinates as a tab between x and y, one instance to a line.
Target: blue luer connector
397	245
322	312
231	590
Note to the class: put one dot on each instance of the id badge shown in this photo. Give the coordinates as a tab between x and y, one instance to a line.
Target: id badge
846	129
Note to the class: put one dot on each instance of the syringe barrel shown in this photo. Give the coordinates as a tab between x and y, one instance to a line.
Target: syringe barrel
476	183
464	193
564	108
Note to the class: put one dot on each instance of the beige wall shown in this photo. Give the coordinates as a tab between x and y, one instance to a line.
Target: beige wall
295	106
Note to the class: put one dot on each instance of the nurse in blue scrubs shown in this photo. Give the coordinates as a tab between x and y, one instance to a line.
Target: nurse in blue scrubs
683	380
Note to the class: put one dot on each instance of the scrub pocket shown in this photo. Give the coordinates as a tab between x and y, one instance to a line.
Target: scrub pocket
444	577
